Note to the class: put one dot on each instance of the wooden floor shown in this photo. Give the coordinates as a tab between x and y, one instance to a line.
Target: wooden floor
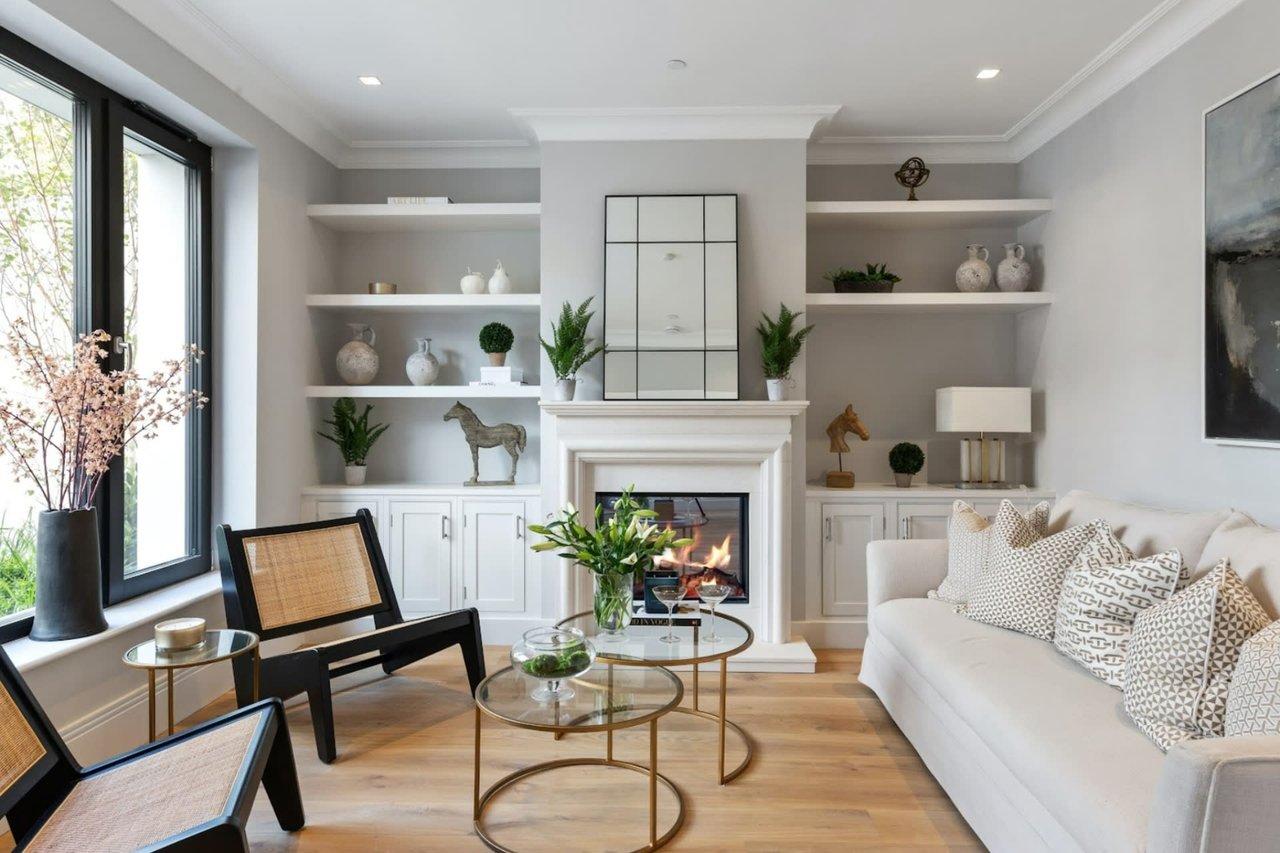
831	773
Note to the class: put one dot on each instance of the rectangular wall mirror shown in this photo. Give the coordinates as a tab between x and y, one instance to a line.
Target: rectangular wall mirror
671	297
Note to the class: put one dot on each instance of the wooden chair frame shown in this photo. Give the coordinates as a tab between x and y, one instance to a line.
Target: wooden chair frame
34	796
395	643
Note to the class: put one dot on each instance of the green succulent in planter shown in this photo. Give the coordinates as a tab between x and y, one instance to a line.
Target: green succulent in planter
351	432
496	337
876	278
780	342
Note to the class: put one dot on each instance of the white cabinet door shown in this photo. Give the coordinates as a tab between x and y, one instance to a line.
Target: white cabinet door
421	559
494	551
328	508
923	520
846	531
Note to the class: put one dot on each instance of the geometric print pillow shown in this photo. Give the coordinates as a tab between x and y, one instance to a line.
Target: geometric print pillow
1021	587
1105	590
969	544
1182	656
1253	699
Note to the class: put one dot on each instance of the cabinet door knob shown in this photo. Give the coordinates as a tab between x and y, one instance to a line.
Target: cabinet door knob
519	526
827	524
444	527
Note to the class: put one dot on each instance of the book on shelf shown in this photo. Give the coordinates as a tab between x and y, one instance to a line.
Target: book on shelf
499	375
419	199
480	383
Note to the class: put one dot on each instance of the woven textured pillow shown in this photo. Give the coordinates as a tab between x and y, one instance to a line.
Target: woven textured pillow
1104	591
968	546
1182	655
1023	582
1253	699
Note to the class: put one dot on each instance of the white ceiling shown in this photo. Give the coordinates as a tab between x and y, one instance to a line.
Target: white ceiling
901	70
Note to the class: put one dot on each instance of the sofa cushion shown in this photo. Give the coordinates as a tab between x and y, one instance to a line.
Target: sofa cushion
1145	530
1104	591
1254	552
1253	699
1182	655
1061	732
1021	586
969	546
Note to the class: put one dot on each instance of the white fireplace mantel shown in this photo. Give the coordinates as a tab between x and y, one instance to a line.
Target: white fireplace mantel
678	446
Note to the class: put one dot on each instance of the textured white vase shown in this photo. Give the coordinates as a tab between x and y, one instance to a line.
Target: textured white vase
354	474
1013	275
358	360
472	283
422	367
565	389
777	389
499	282
974	275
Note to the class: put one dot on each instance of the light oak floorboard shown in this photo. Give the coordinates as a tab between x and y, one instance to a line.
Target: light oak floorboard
831	773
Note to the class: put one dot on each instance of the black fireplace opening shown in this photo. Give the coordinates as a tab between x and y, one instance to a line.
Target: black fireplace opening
717	524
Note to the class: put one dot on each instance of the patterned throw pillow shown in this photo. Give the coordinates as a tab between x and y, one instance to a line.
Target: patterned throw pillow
1104	591
1021	587
968	545
1182	655
1253	700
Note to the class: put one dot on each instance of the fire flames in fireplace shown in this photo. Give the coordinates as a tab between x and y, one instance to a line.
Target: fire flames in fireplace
714	566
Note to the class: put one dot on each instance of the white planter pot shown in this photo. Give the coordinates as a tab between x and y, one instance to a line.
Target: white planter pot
354	474
565	389
777	389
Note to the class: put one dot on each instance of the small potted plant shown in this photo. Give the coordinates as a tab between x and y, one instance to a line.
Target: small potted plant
570	348
780	344
354	437
875	279
496	339
906	460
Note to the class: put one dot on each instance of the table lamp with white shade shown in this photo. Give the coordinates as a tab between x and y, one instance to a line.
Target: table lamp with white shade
983	410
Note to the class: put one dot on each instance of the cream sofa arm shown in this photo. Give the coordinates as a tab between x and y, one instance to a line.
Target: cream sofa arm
903	568
1220	795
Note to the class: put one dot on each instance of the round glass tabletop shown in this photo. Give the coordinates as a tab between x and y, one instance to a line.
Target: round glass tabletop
217	645
642	645
604	698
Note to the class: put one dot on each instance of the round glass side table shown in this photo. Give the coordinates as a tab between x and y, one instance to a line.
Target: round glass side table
642	646
219	645
606	698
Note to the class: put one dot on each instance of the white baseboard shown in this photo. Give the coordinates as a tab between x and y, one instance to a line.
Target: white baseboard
848	633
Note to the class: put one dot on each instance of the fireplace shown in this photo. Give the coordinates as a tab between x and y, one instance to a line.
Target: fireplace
717	524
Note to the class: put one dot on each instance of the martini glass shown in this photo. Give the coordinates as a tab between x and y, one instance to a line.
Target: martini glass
713	594
670	596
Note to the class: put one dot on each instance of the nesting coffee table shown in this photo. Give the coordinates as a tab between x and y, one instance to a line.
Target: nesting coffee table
606	698
642	647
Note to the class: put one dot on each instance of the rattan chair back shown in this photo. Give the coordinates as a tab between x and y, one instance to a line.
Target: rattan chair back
29	745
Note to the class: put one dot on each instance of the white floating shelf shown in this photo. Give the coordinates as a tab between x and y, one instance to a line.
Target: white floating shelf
408	302
925	303
428	217
963	213
433	489
392	392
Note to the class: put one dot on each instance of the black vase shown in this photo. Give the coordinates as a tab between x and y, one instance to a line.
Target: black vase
68	576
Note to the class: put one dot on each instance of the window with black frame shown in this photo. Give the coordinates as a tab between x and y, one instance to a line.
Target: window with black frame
104	224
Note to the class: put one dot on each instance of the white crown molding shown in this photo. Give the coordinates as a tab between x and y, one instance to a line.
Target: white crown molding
872	150
441	154
627	124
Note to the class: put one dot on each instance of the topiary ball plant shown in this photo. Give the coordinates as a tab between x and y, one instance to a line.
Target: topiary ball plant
906	459
496	339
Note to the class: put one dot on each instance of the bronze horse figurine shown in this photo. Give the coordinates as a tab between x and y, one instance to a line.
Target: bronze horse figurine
511	437
846	422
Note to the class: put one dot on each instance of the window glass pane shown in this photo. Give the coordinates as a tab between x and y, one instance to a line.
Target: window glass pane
37	280
157	278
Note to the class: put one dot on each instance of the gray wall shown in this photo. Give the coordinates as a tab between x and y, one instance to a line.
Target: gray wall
1118	356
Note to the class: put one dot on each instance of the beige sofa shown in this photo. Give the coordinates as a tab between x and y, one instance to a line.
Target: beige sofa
1035	752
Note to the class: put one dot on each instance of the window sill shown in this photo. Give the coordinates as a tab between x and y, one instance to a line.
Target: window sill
28	654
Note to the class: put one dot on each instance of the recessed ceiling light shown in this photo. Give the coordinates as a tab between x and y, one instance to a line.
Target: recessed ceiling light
676	65
988	73
370	80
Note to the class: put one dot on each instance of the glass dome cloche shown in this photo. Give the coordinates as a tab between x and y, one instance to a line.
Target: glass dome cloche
553	656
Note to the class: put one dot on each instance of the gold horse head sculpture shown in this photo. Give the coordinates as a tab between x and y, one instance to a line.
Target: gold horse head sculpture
846	422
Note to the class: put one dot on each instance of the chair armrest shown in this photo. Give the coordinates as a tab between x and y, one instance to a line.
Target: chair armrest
903	568
1218	796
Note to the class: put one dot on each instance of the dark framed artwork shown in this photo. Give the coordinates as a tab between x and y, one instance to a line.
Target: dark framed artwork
1242	267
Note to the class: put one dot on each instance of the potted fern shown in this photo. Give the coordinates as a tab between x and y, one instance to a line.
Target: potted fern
780	343
570	347
354	437
875	279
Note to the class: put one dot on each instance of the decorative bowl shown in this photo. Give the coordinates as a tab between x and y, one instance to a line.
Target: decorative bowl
553	656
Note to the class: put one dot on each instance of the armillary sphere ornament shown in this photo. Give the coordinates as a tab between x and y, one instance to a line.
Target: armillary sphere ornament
912	174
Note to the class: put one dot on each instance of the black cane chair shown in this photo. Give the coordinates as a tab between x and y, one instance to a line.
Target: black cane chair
191	791
282	581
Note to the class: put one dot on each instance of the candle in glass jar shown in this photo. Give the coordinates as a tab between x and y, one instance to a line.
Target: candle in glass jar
184	632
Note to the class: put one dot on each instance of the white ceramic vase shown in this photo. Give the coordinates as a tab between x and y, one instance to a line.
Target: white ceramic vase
1013	274
472	283
358	360
354	474
565	389
499	282
422	367
777	389
974	275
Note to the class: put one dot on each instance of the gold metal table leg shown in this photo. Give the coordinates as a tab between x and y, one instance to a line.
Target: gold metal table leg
695	687
724	682
475	798
170	674
653	783
609	698
151	705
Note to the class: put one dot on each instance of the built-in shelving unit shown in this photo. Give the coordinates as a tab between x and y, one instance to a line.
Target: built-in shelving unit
400	392
519	216
925	303
409	302
956	213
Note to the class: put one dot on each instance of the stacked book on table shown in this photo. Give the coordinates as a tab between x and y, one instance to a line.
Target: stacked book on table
500	376
684	615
